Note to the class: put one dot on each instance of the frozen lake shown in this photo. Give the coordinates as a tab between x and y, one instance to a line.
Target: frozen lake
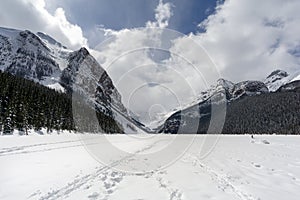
70	166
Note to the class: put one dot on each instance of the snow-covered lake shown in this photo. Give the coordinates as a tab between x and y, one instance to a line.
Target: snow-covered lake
70	166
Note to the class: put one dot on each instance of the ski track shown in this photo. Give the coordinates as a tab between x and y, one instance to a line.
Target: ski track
24	149
18	148
105	182
109	179
223	181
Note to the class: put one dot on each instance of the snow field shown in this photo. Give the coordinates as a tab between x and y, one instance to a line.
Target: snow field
64	167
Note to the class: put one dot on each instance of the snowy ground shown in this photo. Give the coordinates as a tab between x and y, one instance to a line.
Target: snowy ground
65	167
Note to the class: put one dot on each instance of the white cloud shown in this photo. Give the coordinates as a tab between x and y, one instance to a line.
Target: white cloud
32	15
249	39
163	13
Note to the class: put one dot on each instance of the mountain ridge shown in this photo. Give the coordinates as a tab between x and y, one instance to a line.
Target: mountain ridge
240	94
41	58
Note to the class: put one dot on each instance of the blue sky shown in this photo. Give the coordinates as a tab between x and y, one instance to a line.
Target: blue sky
120	14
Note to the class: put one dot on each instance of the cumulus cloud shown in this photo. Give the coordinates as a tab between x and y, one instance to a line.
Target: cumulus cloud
32	15
163	13
249	39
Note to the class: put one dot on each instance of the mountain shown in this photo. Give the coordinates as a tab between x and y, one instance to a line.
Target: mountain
276	79
40	58
279	78
23	54
250	108
248	88
84	74
223	90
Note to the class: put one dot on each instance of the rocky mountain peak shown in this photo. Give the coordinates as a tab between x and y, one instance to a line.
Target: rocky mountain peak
50	40
278	73
227	85
28	38
83	51
249	88
276	79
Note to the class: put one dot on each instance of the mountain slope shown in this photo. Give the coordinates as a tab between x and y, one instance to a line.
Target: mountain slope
41	58
251	108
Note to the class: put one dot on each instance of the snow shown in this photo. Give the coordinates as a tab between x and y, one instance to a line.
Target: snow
276	81
9	32
57	87
297	78
128	127
273	86
64	167
59	53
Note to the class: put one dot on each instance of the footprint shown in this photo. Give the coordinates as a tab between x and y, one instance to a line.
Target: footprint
175	195
93	196
265	142
256	165
109	191
111	180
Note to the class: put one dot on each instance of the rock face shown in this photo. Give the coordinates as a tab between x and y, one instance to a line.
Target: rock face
50	40
22	53
248	88
84	75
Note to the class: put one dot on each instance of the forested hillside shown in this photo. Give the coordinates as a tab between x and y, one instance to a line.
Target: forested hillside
265	114
268	113
25	105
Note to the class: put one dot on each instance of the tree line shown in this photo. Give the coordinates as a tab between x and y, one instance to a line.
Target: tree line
25	105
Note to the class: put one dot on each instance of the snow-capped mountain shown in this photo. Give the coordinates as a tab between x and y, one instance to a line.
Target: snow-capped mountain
22	53
235	90
276	79
277	82
41	58
85	75
223	92
279	78
248	88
